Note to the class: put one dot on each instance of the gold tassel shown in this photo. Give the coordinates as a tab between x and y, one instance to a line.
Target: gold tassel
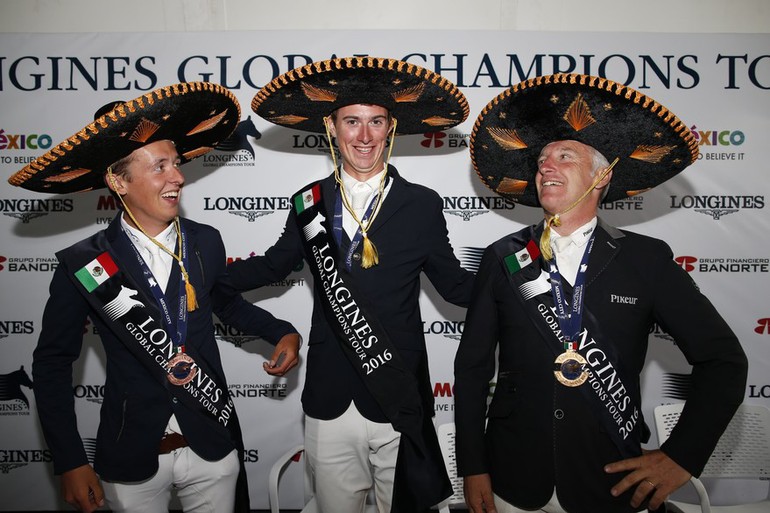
192	300
369	255
545	238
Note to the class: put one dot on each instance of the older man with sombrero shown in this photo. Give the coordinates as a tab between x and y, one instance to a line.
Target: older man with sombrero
562	311
149	283
367	235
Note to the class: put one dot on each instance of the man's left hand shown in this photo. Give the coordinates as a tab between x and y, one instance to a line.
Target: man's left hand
655	475
285	356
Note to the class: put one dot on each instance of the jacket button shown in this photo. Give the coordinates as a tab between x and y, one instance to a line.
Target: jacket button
356	256
558	414
174	400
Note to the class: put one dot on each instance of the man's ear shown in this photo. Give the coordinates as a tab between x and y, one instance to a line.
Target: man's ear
330	126
114	183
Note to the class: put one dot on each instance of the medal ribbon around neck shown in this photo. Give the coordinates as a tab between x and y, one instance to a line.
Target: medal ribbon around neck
181	366
337	224
369	255
555	220
568	368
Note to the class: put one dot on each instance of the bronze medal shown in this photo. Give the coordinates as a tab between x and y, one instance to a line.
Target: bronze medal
568	368
181	369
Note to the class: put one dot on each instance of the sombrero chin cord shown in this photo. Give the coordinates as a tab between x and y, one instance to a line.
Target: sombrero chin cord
555	220
369	255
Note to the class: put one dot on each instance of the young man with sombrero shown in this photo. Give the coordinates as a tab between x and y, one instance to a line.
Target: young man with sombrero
367	398
563	310
149	283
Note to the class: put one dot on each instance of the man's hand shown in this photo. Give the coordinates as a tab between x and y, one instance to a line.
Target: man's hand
81	488
654	474
478	493
285	356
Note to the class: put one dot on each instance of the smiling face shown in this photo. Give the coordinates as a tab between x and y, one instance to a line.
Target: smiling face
151	185
362	133
565	171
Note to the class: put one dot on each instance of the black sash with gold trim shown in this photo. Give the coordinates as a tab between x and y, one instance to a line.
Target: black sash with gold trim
608	391
421	479
134	318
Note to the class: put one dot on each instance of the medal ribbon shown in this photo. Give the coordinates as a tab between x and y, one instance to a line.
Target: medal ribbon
570	318
177	332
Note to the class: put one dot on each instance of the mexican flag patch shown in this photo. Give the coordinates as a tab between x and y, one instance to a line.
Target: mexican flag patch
515	262
97	271
308	198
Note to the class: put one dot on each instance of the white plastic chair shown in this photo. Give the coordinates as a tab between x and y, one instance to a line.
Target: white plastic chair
743	452
446	440
297	454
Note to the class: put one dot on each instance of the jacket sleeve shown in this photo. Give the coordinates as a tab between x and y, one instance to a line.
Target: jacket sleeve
276	264
474	368
232	308
58	347
719	364
442	267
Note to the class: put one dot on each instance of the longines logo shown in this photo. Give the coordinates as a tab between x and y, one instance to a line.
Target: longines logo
250	455
468	207
449	329
250	207
717	206
89	444
757	391
16	328
15	458
236	150
28	264
90	393
723	265
635	203
258	390
227	333
28	209
13	400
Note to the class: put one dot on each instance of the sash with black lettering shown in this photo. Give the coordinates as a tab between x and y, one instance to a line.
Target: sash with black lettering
607	390
421	479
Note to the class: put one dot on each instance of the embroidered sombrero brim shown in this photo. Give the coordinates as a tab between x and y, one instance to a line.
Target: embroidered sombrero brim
196	116
652	144
420	100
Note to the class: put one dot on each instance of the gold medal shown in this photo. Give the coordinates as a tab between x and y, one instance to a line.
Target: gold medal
181	369
568	368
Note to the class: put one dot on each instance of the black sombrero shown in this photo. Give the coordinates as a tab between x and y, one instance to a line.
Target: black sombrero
196	116
421	100
652	144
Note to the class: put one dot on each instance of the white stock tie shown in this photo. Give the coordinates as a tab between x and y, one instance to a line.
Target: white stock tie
562	243
360	194
157	265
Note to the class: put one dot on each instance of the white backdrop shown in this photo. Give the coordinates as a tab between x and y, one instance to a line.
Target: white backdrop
713	215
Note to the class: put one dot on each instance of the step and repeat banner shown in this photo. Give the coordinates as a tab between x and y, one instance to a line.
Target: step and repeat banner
714	214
